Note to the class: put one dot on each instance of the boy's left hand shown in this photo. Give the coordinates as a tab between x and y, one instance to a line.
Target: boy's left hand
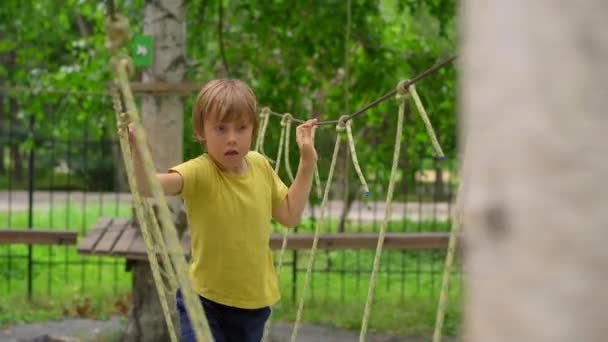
308	153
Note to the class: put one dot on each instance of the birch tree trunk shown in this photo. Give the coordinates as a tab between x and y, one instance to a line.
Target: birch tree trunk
163	122
535	104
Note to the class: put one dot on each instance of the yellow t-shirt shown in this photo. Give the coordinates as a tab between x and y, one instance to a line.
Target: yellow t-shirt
229	217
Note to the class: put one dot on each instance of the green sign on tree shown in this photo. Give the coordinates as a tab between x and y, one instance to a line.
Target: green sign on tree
141	51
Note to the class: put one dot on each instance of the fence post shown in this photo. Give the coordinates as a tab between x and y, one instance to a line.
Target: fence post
30	219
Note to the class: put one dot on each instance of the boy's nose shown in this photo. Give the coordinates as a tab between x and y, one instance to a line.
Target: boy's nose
231	137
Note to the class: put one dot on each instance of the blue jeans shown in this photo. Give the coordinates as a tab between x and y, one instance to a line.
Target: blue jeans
227	323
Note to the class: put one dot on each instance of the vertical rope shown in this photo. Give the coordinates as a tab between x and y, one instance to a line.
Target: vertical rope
157	235
317	177
401	97
425	118
449	261
277	165
353	153
259	144
288	121
311	259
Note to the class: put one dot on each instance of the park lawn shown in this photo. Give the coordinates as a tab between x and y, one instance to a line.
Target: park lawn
66	284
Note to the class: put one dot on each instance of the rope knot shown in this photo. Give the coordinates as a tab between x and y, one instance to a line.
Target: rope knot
342	122
117	32
265	112
286	119
123	120
119	59
402	91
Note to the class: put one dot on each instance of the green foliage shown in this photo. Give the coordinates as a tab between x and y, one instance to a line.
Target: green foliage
291	53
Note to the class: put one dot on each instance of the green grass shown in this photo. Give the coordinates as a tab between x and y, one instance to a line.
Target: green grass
46	180
405	297
74	216
63	282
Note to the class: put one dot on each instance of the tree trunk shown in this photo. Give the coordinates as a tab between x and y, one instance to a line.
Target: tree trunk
163	123
534	102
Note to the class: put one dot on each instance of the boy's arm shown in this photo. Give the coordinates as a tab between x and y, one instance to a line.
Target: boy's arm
289	211
171	183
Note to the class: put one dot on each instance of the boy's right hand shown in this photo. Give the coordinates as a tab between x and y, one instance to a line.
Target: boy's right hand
131	134
131	130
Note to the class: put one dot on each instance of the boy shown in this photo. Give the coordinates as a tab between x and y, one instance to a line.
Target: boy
231	194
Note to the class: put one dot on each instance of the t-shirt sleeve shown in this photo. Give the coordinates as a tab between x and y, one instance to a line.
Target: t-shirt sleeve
196	176
279	189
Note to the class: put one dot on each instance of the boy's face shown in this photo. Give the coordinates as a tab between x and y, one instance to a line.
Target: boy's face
228	142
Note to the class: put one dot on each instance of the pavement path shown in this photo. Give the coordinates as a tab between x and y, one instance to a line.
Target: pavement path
86	330
360	211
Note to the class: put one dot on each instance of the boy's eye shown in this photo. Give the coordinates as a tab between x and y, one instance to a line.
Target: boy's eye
221	128
243	127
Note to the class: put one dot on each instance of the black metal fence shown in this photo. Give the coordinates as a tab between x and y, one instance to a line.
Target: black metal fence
60	169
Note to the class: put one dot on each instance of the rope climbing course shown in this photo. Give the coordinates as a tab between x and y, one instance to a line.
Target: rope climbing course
165	254
402	98
340	128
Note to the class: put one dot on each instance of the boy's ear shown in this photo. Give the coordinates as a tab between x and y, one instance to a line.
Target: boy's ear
200	137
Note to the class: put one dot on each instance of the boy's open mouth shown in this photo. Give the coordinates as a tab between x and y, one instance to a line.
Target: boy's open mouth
231	153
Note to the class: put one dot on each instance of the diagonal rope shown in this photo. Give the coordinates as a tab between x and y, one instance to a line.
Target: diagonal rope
353	153
317	177
401	97
160	242
259	144
117	34
311	259
142	217
288	122
386	96
449	261
277	164
425	118
192	303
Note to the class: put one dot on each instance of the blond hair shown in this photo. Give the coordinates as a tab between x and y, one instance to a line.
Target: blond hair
224	100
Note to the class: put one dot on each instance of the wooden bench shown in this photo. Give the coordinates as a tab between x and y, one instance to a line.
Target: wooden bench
121	237
38	237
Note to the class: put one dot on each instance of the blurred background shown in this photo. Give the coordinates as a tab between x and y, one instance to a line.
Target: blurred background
61	168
